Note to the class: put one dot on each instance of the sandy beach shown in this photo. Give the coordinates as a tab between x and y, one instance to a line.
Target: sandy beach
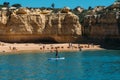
32	47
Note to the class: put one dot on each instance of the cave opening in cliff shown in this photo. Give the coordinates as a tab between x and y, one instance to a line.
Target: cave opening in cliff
41	40
47	40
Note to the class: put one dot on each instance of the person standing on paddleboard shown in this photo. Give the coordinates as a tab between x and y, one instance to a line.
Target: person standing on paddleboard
56	54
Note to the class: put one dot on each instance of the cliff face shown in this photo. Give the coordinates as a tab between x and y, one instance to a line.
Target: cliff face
103	29
102	26
60	27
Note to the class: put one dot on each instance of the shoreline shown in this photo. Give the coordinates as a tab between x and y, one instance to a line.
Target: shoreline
19	48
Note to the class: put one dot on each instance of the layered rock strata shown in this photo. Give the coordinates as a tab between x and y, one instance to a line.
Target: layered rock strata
59	27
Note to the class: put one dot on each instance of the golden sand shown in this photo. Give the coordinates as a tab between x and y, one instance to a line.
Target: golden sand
32	47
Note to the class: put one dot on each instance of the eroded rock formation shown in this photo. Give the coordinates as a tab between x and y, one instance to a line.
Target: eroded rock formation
60	27
103	26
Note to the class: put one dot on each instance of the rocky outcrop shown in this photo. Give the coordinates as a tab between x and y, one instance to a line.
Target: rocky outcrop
60	27
102	26
103	29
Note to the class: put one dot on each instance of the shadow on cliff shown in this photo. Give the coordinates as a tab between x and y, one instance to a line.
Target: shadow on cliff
46	40
118	24
113	44
107	43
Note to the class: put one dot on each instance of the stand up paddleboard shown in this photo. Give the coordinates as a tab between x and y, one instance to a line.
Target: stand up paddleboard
60	58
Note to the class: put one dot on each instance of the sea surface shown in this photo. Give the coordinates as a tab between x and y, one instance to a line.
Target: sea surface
83	65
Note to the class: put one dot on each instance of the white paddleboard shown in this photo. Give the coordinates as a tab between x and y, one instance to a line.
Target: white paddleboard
60	58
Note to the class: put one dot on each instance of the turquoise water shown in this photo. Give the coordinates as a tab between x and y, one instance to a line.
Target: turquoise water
84	65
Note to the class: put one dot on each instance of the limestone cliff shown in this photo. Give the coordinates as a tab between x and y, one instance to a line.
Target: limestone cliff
60	27
103	29
103	26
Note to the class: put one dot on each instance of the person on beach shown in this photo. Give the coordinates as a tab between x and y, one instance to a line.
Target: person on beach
56	54
70	44
10	47
79	47
43	47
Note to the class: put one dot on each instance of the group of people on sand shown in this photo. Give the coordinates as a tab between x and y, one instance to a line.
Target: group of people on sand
56	50
12	48
71	46
45	47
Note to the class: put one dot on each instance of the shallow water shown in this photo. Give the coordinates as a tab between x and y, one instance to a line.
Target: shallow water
84	65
